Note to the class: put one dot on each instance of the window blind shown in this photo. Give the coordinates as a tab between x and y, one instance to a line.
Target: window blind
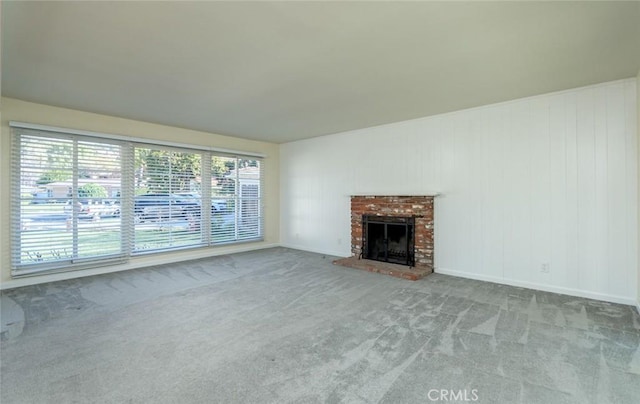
63	186
236	199
81	201
168	201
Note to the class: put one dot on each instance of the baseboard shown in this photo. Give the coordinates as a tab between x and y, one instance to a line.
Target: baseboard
137	262
638	306
542	287
313	250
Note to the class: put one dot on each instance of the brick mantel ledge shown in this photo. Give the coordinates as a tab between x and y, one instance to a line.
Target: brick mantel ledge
428	194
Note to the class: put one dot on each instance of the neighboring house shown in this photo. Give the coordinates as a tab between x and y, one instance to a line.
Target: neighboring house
249	183
64	189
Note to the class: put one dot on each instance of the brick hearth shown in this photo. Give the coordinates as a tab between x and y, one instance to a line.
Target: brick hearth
421	207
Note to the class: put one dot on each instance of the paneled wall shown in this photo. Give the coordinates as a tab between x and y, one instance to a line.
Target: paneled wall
538	192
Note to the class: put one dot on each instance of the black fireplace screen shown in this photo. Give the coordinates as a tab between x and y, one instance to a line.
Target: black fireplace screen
388	239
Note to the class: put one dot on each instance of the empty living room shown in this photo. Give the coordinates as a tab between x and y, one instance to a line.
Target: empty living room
320	202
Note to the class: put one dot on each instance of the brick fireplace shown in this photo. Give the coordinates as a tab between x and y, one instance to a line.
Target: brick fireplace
418	207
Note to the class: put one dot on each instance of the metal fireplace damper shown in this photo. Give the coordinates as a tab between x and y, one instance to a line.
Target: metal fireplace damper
388	239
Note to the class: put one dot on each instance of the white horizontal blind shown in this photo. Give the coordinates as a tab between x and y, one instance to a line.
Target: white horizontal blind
236	199
167	203
66	205
223	199
97	199
249	191
81	201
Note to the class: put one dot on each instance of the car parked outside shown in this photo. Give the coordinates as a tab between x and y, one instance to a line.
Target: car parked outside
93	209
158	206
84	210
110	208
217	205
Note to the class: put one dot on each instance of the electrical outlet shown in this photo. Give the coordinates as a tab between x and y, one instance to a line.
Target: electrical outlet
339	241
544	268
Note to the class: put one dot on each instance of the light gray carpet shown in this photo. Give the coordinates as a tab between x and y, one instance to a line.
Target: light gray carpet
281	325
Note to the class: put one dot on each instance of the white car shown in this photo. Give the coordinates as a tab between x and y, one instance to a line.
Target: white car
87	210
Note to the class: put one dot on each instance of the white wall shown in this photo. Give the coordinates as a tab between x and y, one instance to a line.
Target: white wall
548	179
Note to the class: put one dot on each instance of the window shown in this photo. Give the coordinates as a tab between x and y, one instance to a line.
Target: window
236	200
81	201
167	202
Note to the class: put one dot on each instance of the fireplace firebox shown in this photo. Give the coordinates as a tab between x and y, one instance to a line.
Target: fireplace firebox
389	239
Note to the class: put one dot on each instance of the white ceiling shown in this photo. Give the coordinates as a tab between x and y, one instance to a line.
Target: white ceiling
281	71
